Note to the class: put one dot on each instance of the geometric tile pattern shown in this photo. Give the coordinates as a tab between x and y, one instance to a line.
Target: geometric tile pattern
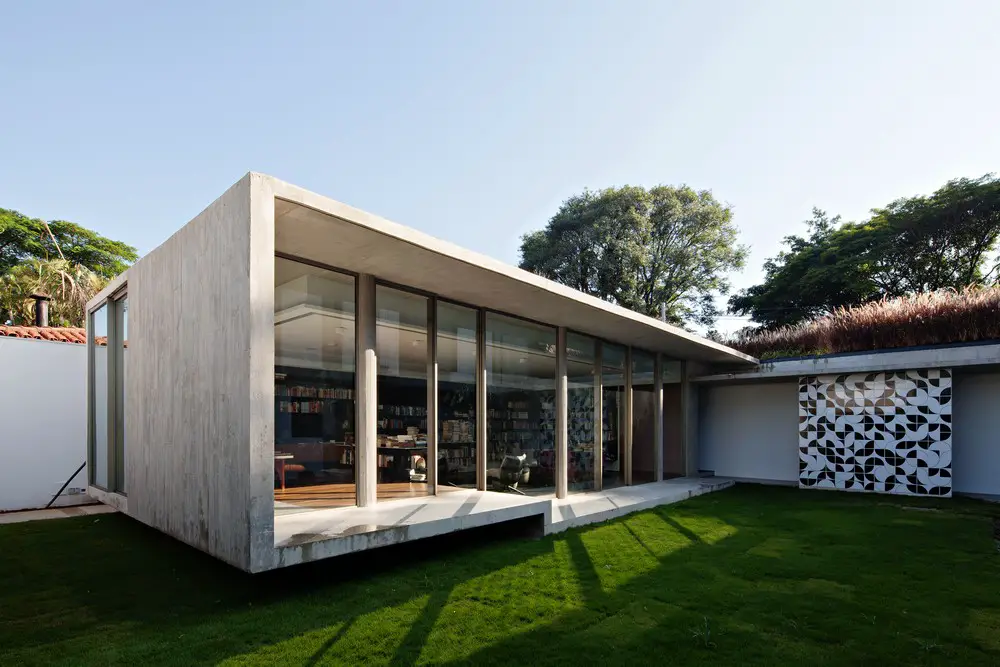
877	432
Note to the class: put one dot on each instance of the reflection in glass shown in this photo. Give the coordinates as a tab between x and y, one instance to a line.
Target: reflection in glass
613	401
99	331
401	348
314	352
643	418
580	360
122	362
520	373
456	356
673	447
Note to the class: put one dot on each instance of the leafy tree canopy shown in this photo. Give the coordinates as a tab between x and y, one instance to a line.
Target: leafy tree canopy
69	285
23	239
640	248
913	245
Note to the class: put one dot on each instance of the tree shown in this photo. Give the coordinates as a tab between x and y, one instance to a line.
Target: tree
641	248
915	244
69	286
23	238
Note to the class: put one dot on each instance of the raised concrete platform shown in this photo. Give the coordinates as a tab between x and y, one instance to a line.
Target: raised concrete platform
308	536
579	510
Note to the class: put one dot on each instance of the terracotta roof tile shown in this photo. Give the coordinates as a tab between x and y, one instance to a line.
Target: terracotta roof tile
58	334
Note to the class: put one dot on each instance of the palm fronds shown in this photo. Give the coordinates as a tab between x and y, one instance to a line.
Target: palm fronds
68	285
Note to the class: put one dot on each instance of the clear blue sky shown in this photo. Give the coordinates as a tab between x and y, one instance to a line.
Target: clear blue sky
473	120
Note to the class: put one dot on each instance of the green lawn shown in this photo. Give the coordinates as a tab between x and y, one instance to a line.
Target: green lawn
751	575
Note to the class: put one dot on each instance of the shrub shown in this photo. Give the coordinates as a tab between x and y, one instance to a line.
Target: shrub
933	318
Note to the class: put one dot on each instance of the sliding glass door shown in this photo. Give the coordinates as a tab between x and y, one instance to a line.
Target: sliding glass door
520	382
107	345
581	356
314	409
401	342
456	360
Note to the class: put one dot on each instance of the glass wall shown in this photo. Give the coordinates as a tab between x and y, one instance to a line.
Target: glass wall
456	357
99	397
613	417
580	369
643	418
520	384
401	348
121	357
673	440
314	366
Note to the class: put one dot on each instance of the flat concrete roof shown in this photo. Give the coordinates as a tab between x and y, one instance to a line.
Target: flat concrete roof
956	356
319	229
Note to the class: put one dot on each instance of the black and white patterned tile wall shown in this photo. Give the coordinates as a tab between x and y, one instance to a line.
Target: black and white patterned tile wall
877	432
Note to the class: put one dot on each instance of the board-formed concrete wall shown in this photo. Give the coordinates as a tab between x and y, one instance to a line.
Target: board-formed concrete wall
188	388
750	431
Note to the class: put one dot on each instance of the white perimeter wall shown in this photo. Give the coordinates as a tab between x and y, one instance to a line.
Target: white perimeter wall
750	431
43	422
975	439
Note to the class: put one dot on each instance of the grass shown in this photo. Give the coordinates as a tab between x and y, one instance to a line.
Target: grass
752	575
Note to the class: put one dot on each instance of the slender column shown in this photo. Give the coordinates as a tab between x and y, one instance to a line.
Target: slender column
626	456
562	416
366	424
432	396
481	400
658	416
598	419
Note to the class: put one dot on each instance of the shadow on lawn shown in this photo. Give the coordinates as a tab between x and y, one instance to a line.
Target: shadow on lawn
764	584
124	575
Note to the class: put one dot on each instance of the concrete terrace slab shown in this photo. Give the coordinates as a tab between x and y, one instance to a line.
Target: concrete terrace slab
307	536
585	508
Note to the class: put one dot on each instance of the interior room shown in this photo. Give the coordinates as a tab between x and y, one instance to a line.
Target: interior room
314	366
613	414
520	381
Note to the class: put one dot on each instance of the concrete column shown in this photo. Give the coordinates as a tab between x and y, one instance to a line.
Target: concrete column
481	415
626	455
598	419
366	423
658	416
562	416
432	396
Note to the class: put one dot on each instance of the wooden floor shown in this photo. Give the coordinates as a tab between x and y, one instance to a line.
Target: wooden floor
343	495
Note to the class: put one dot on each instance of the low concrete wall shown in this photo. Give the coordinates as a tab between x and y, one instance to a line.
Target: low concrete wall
43	422
750	431
976	434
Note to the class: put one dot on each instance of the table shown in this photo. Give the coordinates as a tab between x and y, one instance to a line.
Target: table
279	460
400	464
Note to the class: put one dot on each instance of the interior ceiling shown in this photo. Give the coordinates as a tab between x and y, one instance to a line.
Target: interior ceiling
453	273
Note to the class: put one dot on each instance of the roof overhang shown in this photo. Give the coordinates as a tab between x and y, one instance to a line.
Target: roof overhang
315	228
984	354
